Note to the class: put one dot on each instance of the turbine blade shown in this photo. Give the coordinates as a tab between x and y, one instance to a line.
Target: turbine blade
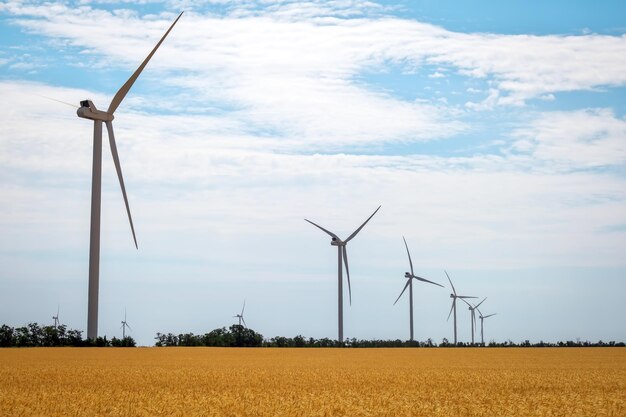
465	301
452	285
408	281
425	280
128	325
244	307
59	101
119	96
320	227
244	322
479	312
345	261
408	253
364	223
465	296
490	315
481	302
118	168
450	313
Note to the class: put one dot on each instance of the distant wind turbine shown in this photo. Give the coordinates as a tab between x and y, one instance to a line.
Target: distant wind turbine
454	297
410	277
240	316
342	253
124	326
480	315
56	318
472	309
88	111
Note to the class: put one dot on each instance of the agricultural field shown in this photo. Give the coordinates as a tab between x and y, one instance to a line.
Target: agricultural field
312	382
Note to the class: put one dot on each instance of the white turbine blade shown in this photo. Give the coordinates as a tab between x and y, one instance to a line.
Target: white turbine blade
320	227
408	253
452	285
465	302
450	313
345	261
490	315
118	168
128	325
119	96
244	307
465	296
425	280
244	322
59	101
480	302
364	223
479	312
408	281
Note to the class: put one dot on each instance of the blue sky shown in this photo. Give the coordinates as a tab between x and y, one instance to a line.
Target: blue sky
492	133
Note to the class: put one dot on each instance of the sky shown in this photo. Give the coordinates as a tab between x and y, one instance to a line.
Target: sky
492	133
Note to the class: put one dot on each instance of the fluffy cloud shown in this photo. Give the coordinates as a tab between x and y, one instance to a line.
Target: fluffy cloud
576	139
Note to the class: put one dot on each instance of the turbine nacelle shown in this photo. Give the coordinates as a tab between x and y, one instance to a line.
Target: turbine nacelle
337	242
407	275
88	110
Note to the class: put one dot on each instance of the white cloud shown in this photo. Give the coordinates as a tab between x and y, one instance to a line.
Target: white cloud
575	139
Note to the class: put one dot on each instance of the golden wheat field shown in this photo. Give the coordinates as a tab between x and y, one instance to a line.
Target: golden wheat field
312	382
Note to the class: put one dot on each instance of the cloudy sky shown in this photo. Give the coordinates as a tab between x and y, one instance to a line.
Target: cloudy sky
492	134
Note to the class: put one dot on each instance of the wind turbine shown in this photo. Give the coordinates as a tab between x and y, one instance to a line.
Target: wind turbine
454	297
56	318
88	110
341	251
240	316
480	315
124	326
472	309
410	277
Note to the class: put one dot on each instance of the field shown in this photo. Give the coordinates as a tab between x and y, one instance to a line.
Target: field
312	382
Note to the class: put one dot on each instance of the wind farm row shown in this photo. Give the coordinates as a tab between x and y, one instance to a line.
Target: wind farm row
88	110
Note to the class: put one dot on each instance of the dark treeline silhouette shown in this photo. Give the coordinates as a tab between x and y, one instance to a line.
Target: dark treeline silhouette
34	335
235	336
240	336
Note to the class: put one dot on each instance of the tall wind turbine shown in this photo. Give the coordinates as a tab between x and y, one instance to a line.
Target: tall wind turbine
480	315
88	110
124	326
472	309
410	277
56	318
454	297
342	253
240	316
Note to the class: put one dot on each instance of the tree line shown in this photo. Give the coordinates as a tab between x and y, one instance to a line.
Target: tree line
240	336
34	335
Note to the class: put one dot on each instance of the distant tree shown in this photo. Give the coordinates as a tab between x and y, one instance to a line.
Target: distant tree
6	336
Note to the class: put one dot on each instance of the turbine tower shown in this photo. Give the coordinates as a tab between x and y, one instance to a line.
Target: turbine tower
342	253
480	315
88	110
124	326
56	318
472	309
410	277
454	297
240	316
